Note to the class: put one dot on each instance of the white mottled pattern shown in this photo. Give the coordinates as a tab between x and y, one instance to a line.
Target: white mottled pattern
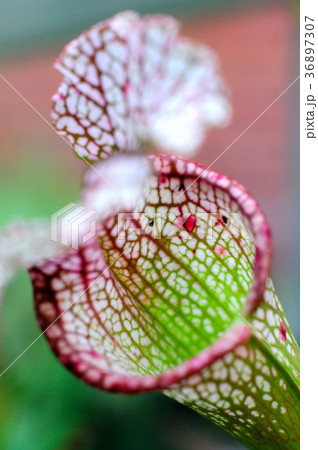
131	83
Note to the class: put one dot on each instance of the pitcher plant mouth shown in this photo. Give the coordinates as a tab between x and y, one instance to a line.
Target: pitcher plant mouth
55	300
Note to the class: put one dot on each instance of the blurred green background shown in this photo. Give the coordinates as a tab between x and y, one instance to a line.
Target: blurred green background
42	406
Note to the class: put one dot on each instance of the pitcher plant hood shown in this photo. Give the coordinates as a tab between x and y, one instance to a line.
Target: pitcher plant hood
133	83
